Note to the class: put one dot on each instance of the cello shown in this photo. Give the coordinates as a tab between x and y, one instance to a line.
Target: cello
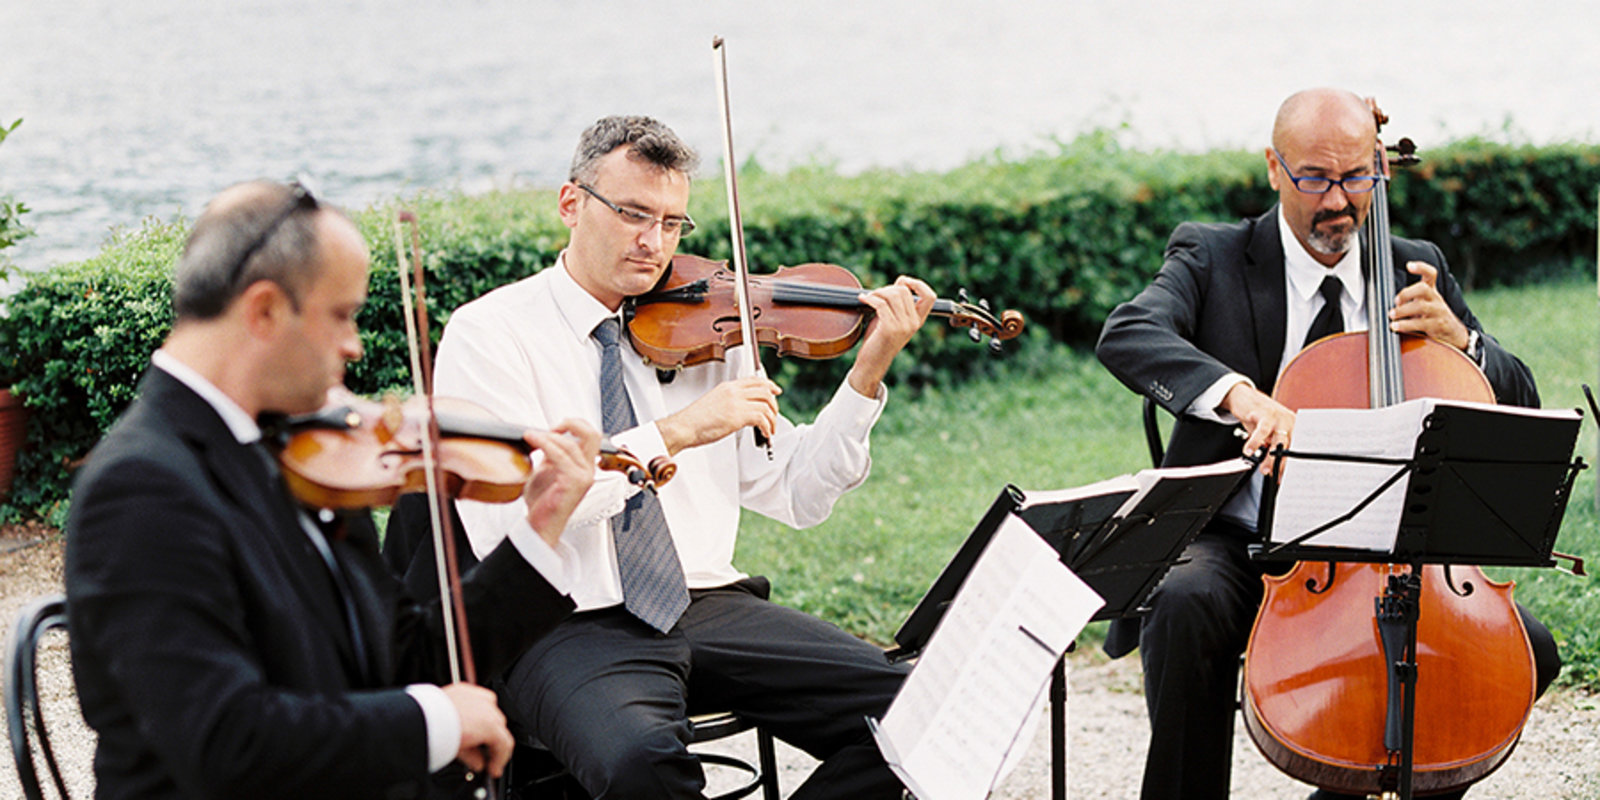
1324	709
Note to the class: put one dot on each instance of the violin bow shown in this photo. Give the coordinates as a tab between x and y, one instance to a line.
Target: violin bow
458	643
741	269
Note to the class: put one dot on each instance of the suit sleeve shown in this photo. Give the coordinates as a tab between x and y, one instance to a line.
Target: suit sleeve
165	653
1147	342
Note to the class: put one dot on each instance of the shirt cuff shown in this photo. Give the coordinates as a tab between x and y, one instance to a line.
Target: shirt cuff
1207	406
551	562
443	724
851	413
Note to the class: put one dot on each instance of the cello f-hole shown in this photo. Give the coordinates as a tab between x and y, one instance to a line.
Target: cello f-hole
1311	582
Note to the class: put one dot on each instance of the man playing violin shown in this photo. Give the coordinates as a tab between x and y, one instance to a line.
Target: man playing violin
1207	340
226	643
662	637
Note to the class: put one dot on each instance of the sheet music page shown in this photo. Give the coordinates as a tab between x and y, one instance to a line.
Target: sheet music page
1147	478
1315	492
963	706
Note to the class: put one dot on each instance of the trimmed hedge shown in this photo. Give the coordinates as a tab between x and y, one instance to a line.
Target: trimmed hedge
1061	237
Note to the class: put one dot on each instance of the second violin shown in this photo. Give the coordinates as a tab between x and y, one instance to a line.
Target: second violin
367	454
811	311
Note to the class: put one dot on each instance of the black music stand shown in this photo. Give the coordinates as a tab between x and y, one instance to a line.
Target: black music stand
1484	487
1121	557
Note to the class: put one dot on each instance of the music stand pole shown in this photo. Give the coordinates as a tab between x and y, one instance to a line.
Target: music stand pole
1058	730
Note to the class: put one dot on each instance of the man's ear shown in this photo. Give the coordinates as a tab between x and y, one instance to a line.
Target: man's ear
264	307
1272	170
567	204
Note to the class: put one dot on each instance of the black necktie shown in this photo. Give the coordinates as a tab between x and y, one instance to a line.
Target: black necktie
653	588
1330	320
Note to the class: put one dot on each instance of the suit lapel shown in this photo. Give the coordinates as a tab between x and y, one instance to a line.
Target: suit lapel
1268	298
267	522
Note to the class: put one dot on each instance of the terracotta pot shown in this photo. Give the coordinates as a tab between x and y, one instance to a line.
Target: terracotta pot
13	436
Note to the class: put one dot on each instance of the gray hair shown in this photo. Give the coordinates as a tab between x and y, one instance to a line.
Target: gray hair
647	140
250	232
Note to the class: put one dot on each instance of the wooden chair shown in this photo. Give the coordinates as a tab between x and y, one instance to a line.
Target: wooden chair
24	717
534	773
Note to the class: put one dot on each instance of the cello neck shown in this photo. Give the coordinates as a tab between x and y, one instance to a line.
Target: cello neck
1385	381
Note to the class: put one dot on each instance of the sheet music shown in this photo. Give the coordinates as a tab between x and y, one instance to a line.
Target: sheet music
1315	492
963	706
1147	478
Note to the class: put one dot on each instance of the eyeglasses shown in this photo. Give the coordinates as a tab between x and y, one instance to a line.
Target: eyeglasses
1316	184
300	199
641	222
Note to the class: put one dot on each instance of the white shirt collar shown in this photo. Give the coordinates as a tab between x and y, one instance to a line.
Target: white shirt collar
240	423
1305	273
579	310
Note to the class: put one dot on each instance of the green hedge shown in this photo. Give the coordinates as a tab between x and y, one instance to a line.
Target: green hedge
1062	237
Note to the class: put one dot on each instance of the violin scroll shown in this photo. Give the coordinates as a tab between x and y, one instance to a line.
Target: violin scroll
980	321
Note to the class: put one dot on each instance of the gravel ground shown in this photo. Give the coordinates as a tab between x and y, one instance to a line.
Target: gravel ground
1558	757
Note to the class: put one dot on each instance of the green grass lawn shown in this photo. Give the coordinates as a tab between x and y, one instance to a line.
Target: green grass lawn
1060	420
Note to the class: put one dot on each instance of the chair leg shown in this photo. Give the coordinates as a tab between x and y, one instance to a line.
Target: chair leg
769	764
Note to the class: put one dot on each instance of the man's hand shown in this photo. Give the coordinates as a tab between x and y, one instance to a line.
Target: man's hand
483	728
730	406
1419	308
562	477
1267	422
898	311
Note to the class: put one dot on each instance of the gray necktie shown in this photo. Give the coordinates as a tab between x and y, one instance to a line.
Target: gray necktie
653	588
1330	320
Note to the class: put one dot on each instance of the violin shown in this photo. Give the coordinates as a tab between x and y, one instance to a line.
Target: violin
1325	707
364	454
810	311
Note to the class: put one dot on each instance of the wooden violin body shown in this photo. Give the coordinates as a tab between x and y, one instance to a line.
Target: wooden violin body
367	454
810	311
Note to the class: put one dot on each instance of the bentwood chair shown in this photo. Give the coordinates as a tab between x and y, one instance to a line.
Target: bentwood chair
535	774
24	717
1152	432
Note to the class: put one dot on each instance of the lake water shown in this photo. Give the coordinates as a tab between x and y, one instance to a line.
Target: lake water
138	109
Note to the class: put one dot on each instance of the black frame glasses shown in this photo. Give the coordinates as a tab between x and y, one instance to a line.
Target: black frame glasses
640	221
300	199
1351	184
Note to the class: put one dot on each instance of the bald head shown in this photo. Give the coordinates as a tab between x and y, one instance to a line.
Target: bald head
1322	112
250	232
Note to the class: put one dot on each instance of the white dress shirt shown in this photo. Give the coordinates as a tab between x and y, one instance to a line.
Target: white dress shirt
1302	277
524	352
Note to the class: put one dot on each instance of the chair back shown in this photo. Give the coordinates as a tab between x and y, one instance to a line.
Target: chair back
24	718
1152	432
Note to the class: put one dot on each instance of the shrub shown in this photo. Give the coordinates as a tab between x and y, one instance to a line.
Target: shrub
1062	237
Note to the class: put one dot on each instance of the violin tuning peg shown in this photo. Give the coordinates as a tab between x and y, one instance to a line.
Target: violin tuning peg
984	304
961	295
994	345
974	335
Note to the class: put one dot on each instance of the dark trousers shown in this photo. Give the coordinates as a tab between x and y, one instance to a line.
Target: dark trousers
610	697
1190	644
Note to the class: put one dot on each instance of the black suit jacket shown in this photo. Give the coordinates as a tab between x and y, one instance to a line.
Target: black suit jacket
210	648
1218	305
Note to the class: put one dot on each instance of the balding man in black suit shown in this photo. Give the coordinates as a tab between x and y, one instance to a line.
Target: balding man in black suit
1231	304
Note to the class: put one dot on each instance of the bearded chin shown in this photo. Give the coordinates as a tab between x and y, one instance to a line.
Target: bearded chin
1332	244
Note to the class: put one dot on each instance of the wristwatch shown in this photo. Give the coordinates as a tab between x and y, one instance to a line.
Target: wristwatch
1474	348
